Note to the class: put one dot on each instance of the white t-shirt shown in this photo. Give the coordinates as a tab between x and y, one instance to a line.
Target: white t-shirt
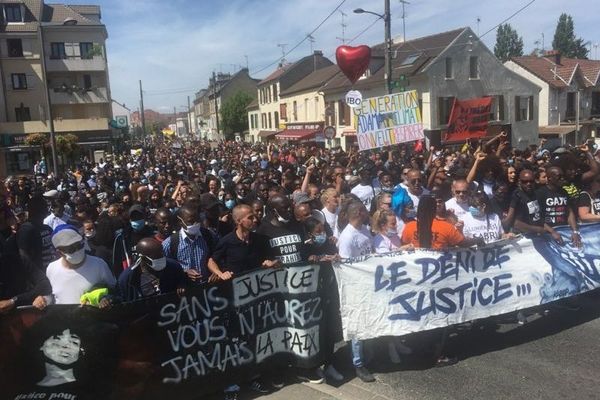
385	244
354	242
331	219
366	194
415	198
479	227
69	284
458	209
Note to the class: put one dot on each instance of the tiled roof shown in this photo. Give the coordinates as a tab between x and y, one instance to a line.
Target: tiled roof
58	13
276	74
425	48
313	80
85	8
561	75
253	105
33	10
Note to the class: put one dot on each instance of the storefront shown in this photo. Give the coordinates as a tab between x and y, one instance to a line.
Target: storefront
302	133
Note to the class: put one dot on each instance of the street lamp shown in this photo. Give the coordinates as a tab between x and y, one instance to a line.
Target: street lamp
388	41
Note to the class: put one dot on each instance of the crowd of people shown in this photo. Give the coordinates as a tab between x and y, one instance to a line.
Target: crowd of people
133	226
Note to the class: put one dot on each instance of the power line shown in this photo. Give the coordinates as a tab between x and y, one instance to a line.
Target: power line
303	39
507	19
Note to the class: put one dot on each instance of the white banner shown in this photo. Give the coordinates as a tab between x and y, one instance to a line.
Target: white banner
396	294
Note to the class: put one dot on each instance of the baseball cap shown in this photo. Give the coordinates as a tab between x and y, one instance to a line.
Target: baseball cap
51	193
65	235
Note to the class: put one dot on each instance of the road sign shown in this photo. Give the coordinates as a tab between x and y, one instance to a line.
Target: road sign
329	132
353	98
121	121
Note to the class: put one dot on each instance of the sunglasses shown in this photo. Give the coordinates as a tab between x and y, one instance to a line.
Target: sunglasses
415	181
71	248
461	191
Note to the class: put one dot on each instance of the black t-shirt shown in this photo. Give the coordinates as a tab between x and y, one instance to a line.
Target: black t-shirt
587	200
527	208
237	256
35	242
554	206
285	244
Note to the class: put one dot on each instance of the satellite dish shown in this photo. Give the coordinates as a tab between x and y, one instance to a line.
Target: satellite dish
70	21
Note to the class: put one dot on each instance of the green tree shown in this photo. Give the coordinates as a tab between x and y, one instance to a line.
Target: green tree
67	147
234	117
508	43
37	140
565	40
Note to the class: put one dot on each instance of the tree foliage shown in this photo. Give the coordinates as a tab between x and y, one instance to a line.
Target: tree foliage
36	139
565	40
508	43
234	117
66	146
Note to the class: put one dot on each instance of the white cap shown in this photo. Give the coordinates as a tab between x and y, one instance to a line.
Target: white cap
51	193
213	162
66	237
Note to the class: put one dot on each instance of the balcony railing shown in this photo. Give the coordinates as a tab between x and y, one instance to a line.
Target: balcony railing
91	96
75	64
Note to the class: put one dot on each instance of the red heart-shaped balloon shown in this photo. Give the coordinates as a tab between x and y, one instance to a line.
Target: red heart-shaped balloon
353	61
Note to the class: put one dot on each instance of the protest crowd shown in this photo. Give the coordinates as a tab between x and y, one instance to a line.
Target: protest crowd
166	219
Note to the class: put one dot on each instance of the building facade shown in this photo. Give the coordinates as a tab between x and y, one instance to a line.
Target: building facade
569	106
52	54
443	67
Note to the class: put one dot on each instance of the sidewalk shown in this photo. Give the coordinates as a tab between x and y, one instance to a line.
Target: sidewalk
352	390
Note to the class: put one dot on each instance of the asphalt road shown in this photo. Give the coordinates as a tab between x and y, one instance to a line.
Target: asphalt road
556	356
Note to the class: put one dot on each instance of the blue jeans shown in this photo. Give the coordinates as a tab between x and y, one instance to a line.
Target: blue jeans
357	353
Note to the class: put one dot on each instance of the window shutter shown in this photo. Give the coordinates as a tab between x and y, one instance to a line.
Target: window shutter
27	48
9	82
530	109
71	49
517	109
31	81
500	100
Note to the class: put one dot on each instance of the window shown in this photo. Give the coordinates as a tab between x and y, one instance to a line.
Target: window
12	13
571	96
497	108
85	49
269	94
19	81
449	68
410	59
295	111
444	108
87	82
22	114
57	51
595	103
275	92
473	67
305	110
283	111
524	108
344	113
276	120
15	47
270	120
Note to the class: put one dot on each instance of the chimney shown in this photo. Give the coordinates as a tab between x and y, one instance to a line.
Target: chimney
554	55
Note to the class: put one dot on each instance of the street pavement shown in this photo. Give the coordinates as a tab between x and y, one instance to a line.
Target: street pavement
555	356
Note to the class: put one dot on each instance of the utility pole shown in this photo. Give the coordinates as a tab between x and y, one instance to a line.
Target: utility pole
216	103
344	25
478	22
282	46
246	57
387	6
311	40
388	44
578	102
48	105
189	119
143	117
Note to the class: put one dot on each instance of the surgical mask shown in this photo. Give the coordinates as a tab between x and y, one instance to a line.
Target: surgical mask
347	177
157	264
75	258
411	213
280	218
137	225
475	212
320	239
391	233
192	230
90	234
230	204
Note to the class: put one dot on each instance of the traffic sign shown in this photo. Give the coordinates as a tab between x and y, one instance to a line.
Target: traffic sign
121	121
329	132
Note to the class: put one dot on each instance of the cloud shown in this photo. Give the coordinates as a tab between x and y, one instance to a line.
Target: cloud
175	45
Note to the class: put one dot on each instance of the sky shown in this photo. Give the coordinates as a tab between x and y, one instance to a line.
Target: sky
173	46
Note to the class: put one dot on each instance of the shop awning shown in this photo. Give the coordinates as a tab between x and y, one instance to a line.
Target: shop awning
556	130
349	132
266	134
297	134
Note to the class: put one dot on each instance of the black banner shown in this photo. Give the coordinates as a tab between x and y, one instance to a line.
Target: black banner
180	347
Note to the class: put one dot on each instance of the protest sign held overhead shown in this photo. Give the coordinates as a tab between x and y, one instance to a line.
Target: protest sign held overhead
388	120
469	119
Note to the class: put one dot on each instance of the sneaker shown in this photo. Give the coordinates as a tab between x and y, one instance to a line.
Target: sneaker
310	375
258	387
277	381
364	374
231	395
332	373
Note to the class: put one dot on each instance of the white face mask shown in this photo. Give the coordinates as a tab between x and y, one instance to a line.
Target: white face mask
281	219
192	230
158	264
75	258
